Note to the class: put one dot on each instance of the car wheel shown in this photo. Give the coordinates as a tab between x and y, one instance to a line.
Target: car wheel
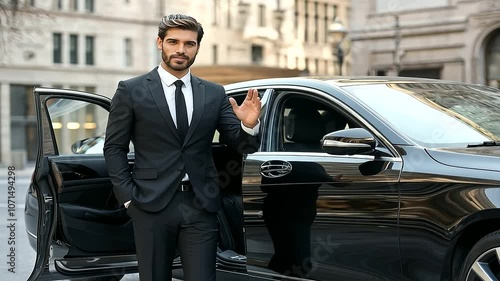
483	261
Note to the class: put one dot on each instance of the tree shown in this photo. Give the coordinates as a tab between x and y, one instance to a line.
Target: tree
20	24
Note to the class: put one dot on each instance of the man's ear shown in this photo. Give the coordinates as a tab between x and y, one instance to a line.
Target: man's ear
159	43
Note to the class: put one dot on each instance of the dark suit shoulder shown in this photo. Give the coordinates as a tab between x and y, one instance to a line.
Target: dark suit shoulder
153	74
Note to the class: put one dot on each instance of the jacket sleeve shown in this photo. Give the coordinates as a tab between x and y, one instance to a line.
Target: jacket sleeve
116	146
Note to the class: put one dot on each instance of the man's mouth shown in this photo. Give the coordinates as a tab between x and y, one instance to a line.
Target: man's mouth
179	58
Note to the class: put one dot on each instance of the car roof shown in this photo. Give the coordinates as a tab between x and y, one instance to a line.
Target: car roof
339	81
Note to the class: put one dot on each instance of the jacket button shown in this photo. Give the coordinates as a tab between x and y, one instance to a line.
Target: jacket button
179	171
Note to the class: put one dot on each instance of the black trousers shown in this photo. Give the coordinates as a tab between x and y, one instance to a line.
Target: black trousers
180	225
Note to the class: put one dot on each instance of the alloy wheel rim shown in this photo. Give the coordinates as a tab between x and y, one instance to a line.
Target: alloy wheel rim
486	267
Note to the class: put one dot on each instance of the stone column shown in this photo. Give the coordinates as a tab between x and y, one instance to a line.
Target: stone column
5	147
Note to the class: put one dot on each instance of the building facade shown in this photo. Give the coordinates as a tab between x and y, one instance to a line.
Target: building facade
91	45
448	39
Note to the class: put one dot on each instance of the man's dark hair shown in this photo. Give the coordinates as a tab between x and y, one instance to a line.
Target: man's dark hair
179	21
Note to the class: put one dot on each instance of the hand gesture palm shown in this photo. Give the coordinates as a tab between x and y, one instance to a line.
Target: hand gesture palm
249	110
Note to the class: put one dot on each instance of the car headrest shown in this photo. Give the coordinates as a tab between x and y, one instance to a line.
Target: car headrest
334	121
304	125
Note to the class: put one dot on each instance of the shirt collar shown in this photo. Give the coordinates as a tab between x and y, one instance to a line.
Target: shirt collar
169	79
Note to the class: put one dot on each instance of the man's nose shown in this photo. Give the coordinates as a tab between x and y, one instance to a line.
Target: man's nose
180	49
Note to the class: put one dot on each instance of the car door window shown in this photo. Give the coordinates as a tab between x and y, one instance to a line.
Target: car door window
79	127
303	122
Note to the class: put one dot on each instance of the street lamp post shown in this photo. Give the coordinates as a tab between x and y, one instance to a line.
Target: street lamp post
337	33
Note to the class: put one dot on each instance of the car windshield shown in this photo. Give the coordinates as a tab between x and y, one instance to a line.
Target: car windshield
436	114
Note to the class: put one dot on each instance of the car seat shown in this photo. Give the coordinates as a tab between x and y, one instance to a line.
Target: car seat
304	128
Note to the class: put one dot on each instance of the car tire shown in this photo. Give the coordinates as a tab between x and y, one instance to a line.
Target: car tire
483	260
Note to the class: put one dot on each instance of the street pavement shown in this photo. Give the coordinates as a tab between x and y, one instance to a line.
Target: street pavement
12	226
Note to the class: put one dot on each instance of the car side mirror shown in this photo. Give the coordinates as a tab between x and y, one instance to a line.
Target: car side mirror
349	142
78	146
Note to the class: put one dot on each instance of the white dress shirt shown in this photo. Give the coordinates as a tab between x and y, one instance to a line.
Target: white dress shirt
167	81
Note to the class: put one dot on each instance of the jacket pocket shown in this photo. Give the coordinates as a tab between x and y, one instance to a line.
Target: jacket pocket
145	174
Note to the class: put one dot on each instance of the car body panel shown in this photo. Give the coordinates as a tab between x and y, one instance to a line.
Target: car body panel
482	158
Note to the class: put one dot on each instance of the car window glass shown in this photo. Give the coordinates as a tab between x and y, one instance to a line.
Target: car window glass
436	115
79	127
303	123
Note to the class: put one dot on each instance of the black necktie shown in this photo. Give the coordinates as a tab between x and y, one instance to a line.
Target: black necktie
181	111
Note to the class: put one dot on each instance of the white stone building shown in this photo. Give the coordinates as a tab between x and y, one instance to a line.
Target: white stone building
90	45
448	39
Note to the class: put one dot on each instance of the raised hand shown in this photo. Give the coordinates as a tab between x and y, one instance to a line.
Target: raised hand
249	110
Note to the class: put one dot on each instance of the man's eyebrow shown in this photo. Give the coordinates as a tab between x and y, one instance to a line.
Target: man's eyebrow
175	39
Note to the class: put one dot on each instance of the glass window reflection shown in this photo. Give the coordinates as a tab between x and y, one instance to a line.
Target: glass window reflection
436	115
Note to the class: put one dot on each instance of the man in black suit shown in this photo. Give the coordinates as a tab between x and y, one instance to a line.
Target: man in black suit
172	191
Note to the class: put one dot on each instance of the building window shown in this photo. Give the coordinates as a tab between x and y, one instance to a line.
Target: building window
89	6
59	4
128	52
31	3
74	5
73	49
316	22
89	50
492	59
432	73
229	16
57	51
257	54
327	22
335	11
296	18
23	134
306	21
262	15
216	12
214	54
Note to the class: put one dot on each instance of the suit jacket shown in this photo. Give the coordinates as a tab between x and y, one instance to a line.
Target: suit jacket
139	112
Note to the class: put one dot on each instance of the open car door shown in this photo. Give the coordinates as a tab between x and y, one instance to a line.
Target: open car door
80	229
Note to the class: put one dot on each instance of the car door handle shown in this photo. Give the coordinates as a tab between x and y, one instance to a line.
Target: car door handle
275	168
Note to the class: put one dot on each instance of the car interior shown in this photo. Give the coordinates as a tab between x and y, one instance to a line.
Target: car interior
306	121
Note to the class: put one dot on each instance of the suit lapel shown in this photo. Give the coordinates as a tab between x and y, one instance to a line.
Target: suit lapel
156	89
198	105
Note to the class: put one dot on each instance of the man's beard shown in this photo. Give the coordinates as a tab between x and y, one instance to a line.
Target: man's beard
177	67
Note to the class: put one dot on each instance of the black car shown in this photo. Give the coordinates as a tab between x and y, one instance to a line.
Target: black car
369	178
